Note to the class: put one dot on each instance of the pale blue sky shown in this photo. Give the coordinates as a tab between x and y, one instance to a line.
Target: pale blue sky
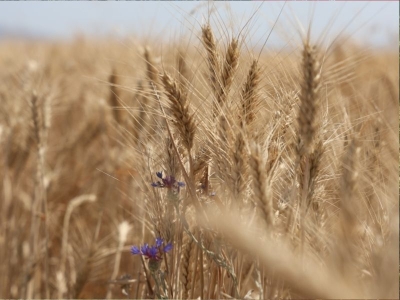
375	23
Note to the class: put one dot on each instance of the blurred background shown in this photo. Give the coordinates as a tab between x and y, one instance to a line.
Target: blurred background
369	23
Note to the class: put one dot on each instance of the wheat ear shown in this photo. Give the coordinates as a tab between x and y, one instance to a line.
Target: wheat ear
40	188
183	72
187	259
123	230
228	72
262	191
309	96
239	166
249	95
212	57
64	243
152	73
179	107
307	122
113	97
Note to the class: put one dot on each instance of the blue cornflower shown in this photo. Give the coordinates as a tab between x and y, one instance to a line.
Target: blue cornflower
153	253
167	247
168	182
159	242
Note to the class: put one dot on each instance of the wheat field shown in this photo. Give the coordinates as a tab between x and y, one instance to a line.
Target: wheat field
207	168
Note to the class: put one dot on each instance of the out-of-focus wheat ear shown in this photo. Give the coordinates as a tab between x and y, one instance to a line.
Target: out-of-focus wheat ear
153	80
307	278
152	72
188	253
183	72
286	131
246	272
391	89
40	193
179	108
114	96
35	117
65	231
262	191
143	102
123	230
239	166
133	120
249	95
83	275
374	171
29	283
224	131
350	210
309	96
273	155
213	59
47	117
348	182
384	257
229	68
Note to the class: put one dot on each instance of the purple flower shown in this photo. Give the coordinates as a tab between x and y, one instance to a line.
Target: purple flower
135	250
159	242
167	247
154	253
168	182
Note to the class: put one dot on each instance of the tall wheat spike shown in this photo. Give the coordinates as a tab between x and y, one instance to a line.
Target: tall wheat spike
309	96
249	95
213	58
179	108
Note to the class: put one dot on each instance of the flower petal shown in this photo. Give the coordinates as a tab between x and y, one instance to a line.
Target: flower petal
167	247
135	250
159	242
152	253
169	181
144	249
